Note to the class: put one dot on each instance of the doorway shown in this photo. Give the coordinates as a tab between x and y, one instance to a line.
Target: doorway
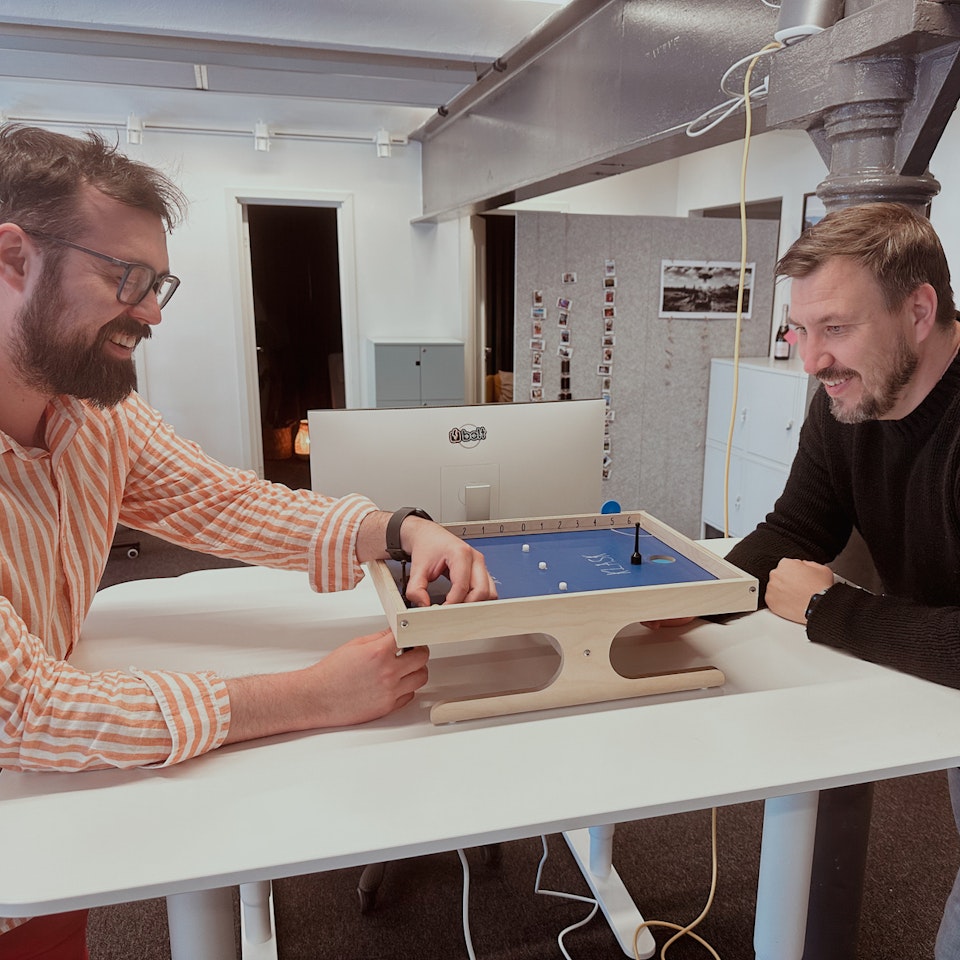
295	275
497	256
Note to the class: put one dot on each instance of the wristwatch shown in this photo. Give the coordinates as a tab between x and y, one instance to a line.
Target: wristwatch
394	550
814	600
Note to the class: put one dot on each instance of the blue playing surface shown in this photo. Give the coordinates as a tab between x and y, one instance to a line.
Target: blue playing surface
584	560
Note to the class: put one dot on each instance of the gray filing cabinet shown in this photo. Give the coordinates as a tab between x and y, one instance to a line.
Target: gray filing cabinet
418	373
772	400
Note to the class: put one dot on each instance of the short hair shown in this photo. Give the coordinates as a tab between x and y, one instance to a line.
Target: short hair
42	176
895	243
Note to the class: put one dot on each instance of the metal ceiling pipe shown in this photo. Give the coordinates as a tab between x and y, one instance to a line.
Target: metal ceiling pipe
874	92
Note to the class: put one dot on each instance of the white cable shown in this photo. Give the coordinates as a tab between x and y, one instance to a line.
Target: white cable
564	896
466	905
721	111
773	6
751	58
728	107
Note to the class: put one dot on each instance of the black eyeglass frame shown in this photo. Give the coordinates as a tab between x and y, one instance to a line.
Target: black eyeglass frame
165	282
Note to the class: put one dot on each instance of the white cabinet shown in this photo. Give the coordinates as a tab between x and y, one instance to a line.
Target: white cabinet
418	373
772	399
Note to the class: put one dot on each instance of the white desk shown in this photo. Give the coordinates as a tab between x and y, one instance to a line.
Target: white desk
791	719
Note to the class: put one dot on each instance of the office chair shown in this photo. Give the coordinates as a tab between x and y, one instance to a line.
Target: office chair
372	876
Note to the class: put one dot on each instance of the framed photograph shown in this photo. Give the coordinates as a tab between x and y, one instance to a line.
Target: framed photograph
813	210
704	289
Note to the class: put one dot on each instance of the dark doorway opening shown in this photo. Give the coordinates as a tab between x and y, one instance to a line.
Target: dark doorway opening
500	248
501	268
295	269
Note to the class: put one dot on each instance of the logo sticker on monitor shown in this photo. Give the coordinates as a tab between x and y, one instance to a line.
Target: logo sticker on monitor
468	435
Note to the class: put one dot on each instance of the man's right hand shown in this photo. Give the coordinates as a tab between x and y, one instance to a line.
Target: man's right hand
367	678
362	680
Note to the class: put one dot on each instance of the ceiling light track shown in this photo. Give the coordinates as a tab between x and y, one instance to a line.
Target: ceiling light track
134	129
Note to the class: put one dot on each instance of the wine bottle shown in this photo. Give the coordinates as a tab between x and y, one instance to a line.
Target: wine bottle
781	345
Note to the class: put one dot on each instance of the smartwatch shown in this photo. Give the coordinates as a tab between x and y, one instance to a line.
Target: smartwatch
814	600
394	550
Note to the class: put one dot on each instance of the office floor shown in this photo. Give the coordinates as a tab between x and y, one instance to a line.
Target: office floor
665	862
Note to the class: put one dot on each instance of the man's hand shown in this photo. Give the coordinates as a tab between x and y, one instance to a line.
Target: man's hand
366	678
362	680
435	551
792	584
668	622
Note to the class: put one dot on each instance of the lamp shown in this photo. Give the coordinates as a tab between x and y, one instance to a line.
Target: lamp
134	129
261	137
803	18
301	443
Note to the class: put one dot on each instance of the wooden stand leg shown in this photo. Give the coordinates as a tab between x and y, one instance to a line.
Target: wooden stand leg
585	675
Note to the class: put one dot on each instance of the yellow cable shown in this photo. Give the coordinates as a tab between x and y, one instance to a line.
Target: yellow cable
748	126
687	931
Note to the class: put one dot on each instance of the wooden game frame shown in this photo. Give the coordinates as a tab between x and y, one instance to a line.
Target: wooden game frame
582	626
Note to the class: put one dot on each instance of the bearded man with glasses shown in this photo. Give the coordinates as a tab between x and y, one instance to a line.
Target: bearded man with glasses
83	277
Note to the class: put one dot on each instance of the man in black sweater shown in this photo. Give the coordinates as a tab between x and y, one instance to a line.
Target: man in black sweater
879	452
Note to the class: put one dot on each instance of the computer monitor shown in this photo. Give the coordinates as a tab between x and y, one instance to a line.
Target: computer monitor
484	462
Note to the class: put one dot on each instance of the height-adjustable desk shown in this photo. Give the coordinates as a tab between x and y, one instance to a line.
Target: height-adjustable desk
790	719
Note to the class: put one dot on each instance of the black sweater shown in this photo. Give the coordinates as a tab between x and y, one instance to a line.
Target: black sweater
898	482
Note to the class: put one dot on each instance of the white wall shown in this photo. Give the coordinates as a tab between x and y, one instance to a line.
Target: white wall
945	211
411	280
651	192
784	163
781	163
407	276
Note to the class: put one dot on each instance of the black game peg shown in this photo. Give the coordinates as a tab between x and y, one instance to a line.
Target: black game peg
636	558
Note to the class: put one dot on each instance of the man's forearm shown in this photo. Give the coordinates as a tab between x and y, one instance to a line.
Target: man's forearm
372	536
261	706
358	681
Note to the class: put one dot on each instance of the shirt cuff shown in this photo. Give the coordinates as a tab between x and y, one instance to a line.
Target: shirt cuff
195	708
333	554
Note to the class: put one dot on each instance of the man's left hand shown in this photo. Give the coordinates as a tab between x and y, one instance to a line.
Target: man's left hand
792	584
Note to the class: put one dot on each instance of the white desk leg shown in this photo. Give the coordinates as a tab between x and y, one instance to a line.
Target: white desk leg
257	937
592	849
783	888
201	925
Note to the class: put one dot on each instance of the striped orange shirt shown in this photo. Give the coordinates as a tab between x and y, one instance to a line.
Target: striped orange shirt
59	508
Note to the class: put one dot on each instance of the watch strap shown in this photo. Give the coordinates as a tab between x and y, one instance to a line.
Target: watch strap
814	600
394	550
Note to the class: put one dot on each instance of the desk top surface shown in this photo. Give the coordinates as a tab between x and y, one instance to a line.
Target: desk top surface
792	717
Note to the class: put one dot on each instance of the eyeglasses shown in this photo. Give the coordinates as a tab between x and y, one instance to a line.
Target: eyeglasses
137	279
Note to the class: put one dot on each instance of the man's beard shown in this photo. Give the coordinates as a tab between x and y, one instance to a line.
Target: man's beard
55	360
873	406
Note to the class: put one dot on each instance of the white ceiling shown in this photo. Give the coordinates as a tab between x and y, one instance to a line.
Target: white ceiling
350	65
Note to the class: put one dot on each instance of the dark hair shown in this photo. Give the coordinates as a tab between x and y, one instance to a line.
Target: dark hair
42	175
896	244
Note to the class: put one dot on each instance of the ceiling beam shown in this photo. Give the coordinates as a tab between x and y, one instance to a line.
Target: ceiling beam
287	69
611	89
